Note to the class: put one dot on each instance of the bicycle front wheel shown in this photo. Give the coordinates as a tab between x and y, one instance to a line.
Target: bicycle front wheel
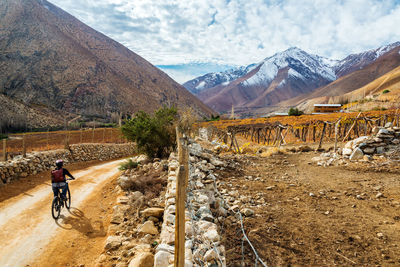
55	208
68	199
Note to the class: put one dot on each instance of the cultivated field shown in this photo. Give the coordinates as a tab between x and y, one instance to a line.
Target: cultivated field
55	140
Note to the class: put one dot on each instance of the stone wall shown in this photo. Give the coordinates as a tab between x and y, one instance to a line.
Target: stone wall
383	141
42	161
203	242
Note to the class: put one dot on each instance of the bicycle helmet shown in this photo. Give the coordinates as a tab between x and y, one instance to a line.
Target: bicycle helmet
59	163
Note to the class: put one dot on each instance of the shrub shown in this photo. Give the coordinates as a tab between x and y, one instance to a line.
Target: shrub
3	136
154	135
295	112
128	165
212	118
186	120
385	91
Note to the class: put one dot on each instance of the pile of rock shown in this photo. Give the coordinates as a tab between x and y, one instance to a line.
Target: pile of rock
41	161
202	246
383	141
137	218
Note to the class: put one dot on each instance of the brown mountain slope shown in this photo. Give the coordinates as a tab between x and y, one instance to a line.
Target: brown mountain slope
361	77
17	115
50	58
383	92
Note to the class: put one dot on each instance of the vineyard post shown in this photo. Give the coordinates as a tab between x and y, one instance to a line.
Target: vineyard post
81	133
4	149
365	126
111	136
314	130
336	133
351	128
24	145
93	134
322	136
104	134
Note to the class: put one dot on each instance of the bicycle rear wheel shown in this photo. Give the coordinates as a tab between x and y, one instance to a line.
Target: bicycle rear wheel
68	199
56	208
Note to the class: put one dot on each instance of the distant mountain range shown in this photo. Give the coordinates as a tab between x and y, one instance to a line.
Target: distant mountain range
51	60
290	78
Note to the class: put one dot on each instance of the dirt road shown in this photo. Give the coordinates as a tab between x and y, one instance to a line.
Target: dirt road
28	233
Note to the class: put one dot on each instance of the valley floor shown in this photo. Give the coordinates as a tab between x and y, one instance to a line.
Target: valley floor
309	215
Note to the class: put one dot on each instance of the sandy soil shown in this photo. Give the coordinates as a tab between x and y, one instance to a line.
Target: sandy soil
312	215
31	237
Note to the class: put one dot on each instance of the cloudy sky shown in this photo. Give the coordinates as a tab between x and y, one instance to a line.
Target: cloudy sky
187	38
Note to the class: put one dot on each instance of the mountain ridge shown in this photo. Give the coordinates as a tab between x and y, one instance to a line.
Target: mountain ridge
288	75
50	58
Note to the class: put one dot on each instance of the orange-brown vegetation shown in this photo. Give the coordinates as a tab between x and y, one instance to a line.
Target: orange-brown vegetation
295	121
55	140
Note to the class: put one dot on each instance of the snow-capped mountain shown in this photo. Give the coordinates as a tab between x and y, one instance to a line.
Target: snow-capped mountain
301	65
278	78
358	61
216	78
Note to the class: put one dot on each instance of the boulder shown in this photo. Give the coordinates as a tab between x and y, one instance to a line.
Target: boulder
125	182
142	259
369	150
113	242
143	159
148	228
357	154
347	151
155	212
210	255
212	235
161	259
248	212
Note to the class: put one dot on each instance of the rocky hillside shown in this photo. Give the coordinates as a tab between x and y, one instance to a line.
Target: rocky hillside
17	115
49	58
292	77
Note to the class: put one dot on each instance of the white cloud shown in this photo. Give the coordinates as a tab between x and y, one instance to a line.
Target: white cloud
239	31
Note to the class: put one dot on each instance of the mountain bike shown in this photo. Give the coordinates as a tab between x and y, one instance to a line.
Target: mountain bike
58	203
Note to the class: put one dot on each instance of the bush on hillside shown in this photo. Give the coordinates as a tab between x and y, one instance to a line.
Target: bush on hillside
186	120
295	112
212	118
154	135
128	165
385	91
3	136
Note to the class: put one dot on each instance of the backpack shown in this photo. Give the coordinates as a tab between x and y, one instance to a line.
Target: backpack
57	176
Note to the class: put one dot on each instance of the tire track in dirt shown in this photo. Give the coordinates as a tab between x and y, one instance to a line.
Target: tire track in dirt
26	225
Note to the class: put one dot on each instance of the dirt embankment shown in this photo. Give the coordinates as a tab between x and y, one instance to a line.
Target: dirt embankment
308	215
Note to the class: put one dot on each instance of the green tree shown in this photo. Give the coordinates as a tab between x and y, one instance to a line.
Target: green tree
154	135
295	112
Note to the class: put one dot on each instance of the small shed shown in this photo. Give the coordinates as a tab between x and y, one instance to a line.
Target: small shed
327	108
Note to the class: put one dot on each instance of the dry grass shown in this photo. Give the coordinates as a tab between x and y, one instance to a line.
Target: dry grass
273	151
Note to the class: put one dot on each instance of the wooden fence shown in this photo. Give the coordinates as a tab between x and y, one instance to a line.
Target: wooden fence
20	144
276	134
